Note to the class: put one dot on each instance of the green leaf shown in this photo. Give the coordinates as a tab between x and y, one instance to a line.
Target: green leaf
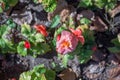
85	21
39	37
50	75
114	50
26	30
40	48
38	73
100	3
2	43
3	28
1	10
49	5
42	71
85	55
25	76
21	49
65	59
116	43
11	23
85	3
12	2
59	30
55	21
41	77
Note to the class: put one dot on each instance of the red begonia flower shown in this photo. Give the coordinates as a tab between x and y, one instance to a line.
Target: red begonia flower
27	44
67	42
78	34
41	29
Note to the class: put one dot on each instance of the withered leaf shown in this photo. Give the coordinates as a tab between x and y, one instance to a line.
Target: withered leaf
115	11
98	25
67	74
118	56
114	73
87	14
64	14
94	70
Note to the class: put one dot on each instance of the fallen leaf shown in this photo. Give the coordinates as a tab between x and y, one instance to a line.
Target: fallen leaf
86	14
118	56
98	25
115	11
64	14
67	74
114	73
94	70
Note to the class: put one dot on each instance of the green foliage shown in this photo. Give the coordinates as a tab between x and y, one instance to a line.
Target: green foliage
39	38
1	10
107	4
86	3
85	21
5	44
21	49
59	30
38	73
102	4
25	30
85	55
8	3
55	21
49	5
116	48
12	2
37	41
39	48
83	52
65	59
10	23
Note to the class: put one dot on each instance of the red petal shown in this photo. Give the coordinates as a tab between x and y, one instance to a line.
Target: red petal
41	29
27	44
58	37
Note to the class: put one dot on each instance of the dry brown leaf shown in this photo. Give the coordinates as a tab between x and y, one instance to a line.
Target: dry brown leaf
98	55
98	25
64	14
61	4
115	11
118	56
87	14
67	74
114	73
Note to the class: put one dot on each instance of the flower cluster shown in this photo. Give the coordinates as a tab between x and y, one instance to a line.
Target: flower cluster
67	41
